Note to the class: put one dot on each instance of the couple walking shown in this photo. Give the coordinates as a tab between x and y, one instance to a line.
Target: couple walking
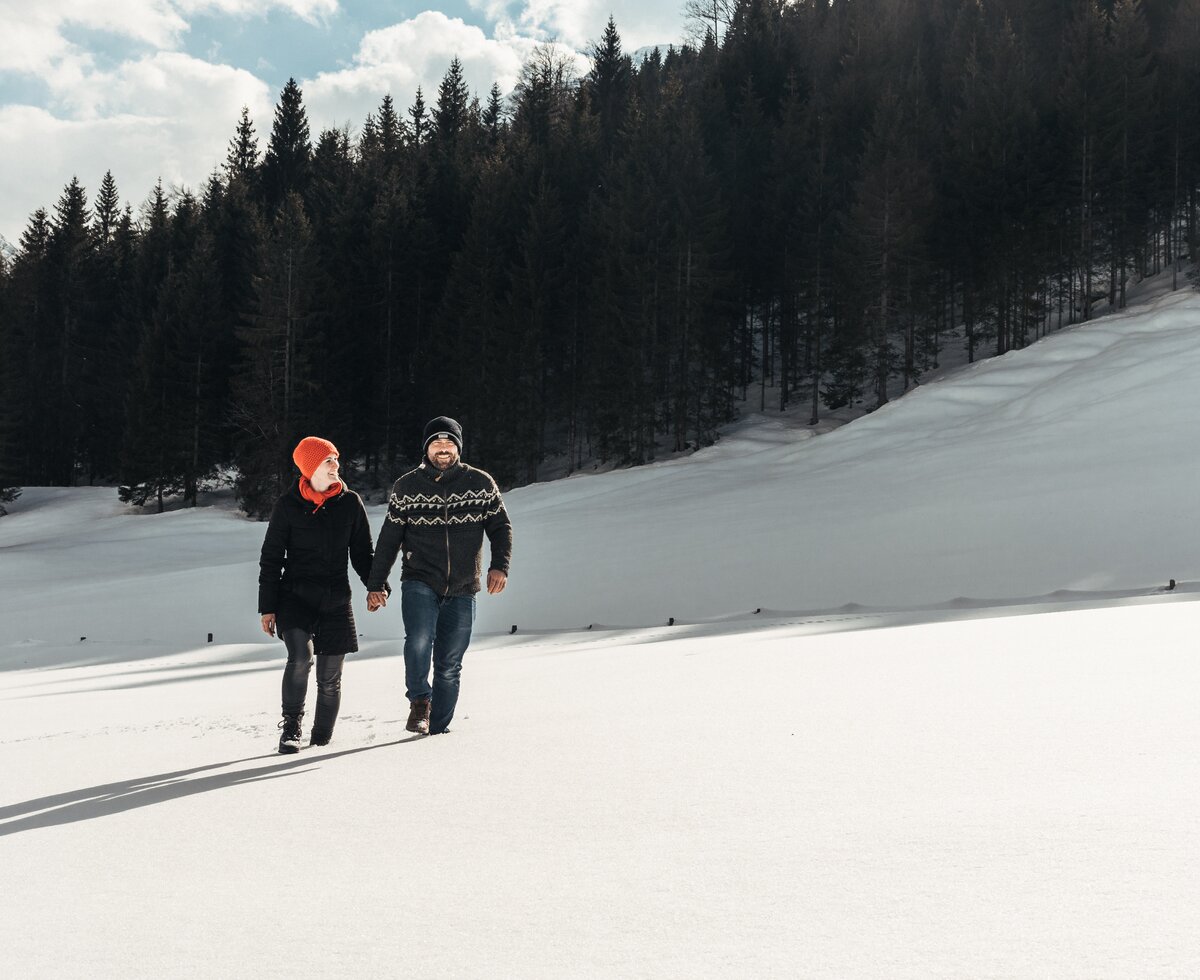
437	516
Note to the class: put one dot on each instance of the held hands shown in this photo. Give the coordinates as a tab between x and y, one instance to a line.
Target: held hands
496	581
268	624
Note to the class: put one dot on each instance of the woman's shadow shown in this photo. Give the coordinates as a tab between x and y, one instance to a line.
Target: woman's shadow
130	794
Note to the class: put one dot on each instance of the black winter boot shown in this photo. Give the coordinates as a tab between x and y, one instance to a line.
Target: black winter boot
289	740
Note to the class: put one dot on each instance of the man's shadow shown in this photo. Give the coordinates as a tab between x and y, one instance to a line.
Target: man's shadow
130	794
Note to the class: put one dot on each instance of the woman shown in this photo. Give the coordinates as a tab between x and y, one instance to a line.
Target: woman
304	588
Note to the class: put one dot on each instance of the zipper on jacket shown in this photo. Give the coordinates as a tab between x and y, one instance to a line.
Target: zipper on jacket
446	519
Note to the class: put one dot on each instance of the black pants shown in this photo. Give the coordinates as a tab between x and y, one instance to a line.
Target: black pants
295	680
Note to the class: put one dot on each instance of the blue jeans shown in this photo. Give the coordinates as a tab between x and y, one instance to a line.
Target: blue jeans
437	630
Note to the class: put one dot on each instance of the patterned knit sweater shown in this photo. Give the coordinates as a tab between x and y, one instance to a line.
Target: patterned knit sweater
436	521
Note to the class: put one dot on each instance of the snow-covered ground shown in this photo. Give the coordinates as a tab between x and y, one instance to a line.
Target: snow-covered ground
957	738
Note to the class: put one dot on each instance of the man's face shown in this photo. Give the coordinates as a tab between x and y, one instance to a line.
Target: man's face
443	453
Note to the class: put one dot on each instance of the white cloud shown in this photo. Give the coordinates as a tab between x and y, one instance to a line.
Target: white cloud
32	41
164	114
580	23
313	11
27	44
416	52
175	85
494	10
168	116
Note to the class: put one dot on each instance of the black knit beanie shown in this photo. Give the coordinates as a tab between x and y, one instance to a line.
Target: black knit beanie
442	427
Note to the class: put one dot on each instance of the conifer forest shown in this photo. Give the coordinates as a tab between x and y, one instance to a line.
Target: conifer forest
802	208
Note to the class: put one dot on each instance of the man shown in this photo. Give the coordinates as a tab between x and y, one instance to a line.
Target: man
437	515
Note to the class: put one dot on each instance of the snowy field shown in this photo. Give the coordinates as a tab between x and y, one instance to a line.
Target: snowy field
959	738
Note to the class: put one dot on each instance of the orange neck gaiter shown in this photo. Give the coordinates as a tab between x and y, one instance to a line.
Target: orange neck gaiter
311	494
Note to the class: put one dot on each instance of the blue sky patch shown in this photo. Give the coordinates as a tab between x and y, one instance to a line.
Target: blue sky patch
281	45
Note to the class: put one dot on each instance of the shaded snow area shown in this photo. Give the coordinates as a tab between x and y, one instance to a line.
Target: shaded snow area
958	739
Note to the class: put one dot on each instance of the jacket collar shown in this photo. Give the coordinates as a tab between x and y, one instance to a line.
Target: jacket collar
294	492
434	475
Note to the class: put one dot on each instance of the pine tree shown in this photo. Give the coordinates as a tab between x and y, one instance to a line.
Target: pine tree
966	173
420	119
109	346
241	160
493	117
108	209
390	278
450	111
535	309
623	359
28	354
69	382
392	135
234	225
150	462
892	200
1081	100
1128	137
10	393
198	358
449	180
287	162
608	85
791	172
475	314
752	50
697	325
342	374
1181	58
746	161
174	436
269	395
145	469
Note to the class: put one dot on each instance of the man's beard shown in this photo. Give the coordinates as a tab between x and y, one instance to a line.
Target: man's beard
443	462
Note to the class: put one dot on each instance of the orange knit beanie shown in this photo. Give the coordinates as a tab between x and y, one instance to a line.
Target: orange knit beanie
311	453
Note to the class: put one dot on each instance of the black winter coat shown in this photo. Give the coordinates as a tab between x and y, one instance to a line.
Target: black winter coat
304	553
437	520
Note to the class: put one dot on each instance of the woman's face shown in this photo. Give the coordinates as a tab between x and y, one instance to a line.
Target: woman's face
326	474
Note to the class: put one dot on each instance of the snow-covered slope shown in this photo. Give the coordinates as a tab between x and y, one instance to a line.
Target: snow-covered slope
1065	466
963	789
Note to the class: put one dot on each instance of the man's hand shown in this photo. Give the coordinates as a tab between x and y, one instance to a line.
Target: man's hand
268	624
497	580
376	600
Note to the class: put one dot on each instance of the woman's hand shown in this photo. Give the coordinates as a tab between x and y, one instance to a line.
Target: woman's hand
268	624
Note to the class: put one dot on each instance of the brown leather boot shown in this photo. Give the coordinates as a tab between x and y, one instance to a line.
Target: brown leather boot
418	718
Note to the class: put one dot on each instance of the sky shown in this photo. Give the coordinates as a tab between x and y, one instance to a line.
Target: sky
926	710
154	88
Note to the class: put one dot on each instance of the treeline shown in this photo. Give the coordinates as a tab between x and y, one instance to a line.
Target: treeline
810	202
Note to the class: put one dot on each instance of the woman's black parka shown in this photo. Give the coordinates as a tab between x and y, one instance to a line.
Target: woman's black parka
305	552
